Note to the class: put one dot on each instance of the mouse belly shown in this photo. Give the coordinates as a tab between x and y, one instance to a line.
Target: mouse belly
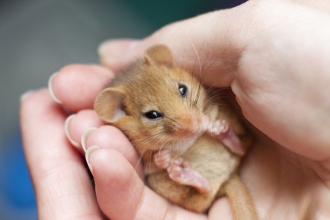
212	160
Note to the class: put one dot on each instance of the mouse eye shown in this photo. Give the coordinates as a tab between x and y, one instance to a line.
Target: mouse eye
183	90
153	115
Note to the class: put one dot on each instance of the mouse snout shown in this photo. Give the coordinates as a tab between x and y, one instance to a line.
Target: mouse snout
190	125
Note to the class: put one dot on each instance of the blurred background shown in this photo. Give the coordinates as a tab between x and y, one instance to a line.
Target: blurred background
38	37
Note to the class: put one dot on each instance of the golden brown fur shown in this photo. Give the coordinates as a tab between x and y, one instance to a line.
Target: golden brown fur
205	151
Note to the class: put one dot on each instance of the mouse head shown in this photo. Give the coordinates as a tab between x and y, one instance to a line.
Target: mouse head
154	101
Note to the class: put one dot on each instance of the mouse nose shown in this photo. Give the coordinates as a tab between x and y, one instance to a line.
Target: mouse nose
190	125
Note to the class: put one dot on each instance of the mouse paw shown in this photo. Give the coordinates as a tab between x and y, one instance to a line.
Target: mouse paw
224	131
162	158
218	127
180	172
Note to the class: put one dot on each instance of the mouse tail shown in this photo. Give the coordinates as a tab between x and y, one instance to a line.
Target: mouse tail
308	209
240	199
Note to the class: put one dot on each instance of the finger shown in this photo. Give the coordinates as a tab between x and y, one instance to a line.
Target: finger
221	207
113	138
210	45
62	185
77	124
121	194
194	45
109	50
76	86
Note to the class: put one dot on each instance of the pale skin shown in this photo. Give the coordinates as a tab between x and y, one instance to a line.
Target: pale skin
274	55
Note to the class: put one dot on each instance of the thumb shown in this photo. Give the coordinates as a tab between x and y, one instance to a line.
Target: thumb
201	44
211	45
121	194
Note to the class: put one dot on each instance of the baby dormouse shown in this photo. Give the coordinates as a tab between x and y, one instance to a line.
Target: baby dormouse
190	148
158	106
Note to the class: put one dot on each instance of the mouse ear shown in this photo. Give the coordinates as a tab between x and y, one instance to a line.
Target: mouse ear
108	104
159	54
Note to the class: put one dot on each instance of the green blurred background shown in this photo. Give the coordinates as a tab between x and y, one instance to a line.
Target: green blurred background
38	37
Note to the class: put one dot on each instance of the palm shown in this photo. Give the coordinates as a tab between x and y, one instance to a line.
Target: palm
280	182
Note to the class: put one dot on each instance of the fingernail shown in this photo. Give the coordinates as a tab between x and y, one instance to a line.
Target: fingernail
25	95
104	47
116	46
88	154
84	137
66	128
50	88
110	51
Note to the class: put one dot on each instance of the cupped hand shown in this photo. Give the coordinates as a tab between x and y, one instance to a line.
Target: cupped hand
272	54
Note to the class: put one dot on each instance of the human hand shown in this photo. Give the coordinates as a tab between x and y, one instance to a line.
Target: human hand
264	60
59	175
